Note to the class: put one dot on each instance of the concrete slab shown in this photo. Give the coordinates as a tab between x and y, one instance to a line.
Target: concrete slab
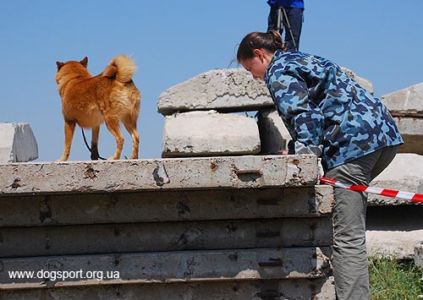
407	102
162	174
253	289
188	266
170	206
404	173
210	134
174	236
223	90
17	143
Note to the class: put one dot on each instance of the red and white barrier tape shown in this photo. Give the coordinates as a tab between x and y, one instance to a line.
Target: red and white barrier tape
413	197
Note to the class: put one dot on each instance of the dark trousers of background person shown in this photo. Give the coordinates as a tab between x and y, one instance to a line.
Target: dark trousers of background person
295	17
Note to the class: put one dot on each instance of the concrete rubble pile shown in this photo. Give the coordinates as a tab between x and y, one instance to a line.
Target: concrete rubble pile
216	228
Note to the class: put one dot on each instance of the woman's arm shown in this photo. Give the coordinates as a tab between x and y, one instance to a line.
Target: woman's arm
304	118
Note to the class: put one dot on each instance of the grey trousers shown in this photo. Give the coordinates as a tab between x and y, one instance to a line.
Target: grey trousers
349	223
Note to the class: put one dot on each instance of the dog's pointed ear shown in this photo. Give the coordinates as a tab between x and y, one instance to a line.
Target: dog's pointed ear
59	65
84	62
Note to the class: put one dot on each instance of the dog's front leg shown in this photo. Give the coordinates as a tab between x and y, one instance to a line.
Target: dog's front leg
94	143
69	130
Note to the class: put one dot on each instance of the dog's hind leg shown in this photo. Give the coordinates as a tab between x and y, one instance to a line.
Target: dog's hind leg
112	124
94	143
69	130
131	127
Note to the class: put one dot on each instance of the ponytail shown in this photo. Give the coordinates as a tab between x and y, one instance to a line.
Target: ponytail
270	41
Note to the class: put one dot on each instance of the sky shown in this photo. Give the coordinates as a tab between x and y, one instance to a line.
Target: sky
173	41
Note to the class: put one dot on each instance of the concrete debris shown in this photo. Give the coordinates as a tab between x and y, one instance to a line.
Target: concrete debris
17	143
210	134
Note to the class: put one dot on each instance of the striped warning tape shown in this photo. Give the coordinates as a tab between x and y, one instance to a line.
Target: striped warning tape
413	197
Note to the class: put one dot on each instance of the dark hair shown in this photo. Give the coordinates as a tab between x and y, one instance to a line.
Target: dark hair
270	41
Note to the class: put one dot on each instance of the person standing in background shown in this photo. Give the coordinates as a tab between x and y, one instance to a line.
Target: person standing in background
287	15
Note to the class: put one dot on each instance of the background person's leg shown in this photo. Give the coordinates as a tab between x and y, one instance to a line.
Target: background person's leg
295	16
272	20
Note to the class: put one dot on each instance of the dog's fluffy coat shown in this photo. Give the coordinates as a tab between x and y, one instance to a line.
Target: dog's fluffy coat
88	100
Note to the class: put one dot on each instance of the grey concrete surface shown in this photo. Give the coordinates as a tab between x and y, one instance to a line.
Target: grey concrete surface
161	174
17	143
175	236
112	208
150	267
224	90
394	244
317	289
208	133
411	130
273	134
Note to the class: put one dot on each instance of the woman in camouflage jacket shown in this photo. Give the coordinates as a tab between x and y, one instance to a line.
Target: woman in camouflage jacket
330	115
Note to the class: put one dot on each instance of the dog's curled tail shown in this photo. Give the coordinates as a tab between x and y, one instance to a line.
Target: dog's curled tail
122	67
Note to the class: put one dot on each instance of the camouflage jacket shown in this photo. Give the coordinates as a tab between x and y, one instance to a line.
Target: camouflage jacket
325	111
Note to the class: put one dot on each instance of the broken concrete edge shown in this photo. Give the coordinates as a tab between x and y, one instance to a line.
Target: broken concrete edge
161	174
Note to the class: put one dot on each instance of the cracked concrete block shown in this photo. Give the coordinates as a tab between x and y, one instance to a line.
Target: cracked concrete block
223	90
365	83
407	102
209	134
404	173
17	143
273	134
